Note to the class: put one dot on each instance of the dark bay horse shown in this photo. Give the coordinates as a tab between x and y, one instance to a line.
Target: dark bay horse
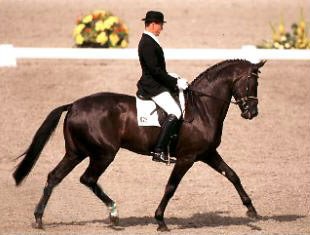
97	126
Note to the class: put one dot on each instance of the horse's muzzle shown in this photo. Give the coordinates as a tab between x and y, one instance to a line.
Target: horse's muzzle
249	114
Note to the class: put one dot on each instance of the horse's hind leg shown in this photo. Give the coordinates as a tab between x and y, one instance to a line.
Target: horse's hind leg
97	165
54	178
217	163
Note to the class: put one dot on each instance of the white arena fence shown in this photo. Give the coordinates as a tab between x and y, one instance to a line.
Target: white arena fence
10	54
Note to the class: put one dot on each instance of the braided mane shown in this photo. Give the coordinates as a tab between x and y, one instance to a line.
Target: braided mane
211	73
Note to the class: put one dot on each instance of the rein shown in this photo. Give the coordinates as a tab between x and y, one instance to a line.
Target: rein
241	100
211	96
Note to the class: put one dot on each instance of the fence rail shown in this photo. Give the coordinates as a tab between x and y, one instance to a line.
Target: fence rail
10	54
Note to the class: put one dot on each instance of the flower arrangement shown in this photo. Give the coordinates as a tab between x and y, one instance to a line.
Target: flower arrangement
281	39
100	29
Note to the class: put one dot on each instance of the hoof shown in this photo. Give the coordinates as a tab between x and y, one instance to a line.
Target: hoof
163	228
252	214
37	225
113	215
114	220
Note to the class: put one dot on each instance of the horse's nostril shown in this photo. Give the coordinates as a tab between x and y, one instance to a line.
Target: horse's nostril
254	112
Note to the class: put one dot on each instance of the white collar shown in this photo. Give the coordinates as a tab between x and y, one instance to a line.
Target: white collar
152	36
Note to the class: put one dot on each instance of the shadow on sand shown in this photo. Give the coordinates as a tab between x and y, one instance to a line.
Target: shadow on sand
200	220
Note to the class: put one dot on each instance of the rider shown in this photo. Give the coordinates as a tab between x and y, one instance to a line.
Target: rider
155	83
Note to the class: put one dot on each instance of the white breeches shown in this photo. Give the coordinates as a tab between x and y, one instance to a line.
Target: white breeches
167	103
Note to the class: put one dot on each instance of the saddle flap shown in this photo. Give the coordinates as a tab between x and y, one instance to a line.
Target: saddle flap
146	116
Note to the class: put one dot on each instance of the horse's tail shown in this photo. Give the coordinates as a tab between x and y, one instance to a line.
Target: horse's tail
38	142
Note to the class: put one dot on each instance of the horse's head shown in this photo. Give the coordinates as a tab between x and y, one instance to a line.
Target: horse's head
245	91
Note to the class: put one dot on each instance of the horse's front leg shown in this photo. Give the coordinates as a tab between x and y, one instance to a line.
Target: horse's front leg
214	160
179	170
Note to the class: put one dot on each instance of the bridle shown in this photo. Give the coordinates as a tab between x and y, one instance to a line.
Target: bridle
243	100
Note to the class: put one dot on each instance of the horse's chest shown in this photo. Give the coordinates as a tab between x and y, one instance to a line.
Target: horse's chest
200	139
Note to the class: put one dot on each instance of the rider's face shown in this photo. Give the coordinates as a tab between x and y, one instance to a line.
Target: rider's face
156	28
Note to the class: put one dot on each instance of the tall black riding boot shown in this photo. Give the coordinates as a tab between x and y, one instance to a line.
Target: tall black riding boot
168	129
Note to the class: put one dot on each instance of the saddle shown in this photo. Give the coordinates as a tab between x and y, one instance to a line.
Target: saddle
150	114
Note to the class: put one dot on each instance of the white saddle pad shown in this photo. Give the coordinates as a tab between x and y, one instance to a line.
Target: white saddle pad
145	113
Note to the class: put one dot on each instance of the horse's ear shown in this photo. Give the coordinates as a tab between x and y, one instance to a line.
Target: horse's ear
261	63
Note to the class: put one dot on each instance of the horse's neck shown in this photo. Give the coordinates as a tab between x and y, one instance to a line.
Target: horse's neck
214	104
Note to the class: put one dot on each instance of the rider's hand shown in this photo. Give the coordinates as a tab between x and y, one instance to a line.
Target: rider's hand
182	84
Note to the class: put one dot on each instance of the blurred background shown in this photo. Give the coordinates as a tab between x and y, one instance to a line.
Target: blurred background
271	153
191	23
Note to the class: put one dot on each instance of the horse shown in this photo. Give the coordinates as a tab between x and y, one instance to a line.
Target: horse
98	125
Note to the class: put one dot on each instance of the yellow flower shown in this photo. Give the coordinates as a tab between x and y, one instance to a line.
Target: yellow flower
281	29
102	38
114	39
287	45
78	29
102	28
99	26
110	21
79	39
87	19
302	24
124	43
300	32
283	39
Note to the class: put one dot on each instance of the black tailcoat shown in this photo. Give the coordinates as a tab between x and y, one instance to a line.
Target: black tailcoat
154	79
